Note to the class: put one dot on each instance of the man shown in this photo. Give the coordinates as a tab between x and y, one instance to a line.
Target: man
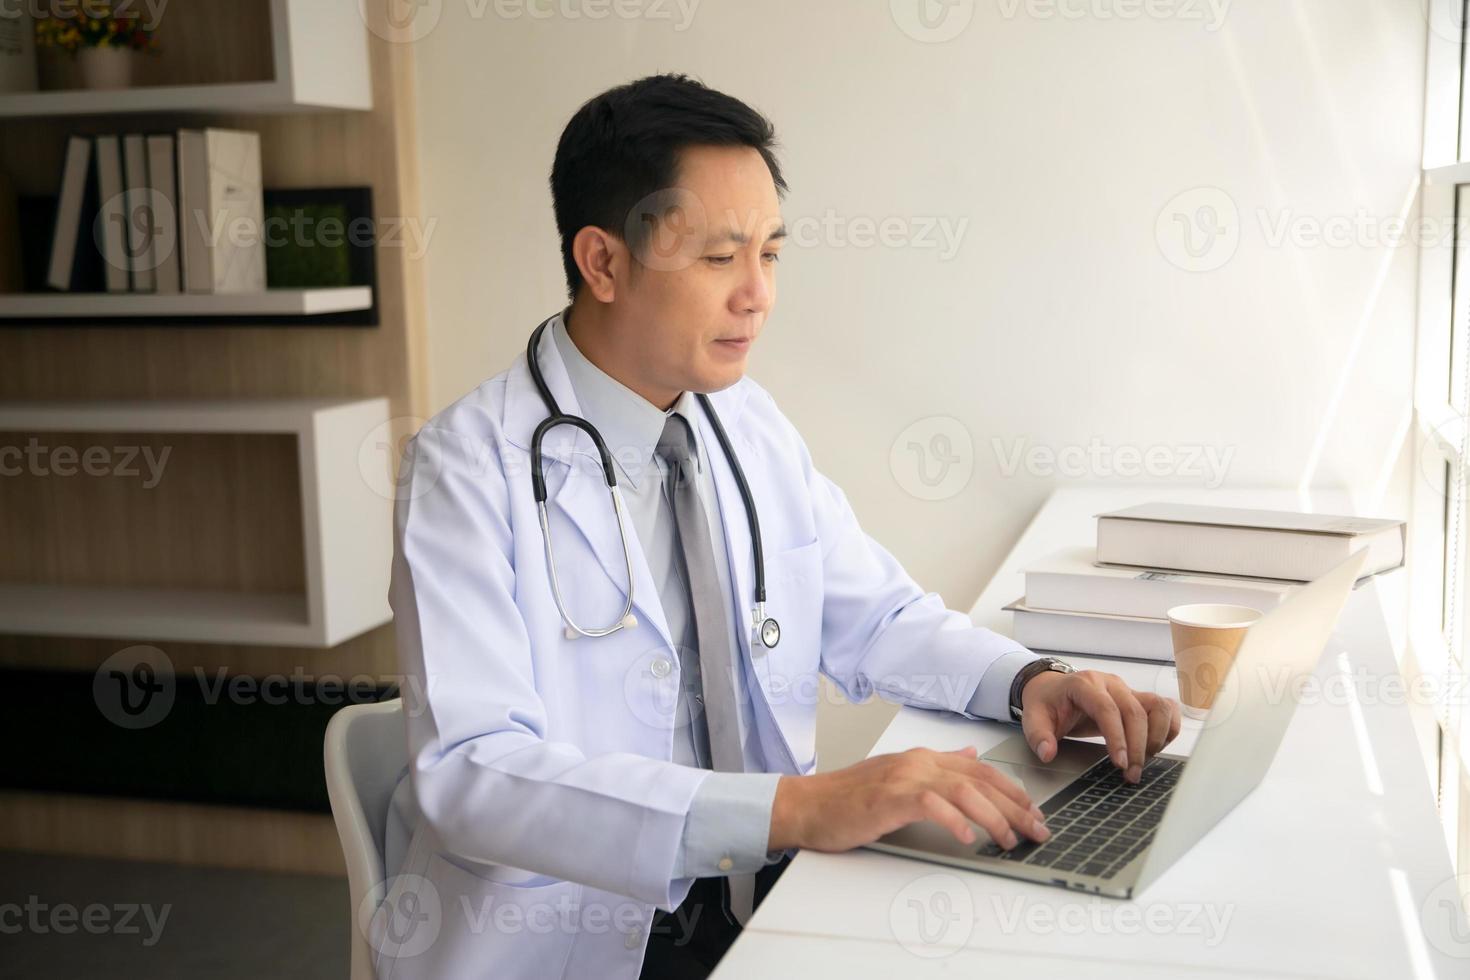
595	800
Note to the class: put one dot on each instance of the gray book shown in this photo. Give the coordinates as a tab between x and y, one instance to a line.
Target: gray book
139	217
164	194
1071	580
1093	634
1236	541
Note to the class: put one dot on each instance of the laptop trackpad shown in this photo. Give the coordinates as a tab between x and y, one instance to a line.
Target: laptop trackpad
1040	779
1014	757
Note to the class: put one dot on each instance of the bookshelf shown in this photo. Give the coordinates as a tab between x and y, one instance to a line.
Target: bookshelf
265	549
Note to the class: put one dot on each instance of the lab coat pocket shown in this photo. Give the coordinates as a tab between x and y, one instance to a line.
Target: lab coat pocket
481	926
788	671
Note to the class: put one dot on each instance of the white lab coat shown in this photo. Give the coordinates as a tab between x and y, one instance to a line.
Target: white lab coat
550	813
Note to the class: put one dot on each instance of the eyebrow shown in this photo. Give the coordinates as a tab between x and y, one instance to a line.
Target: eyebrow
741	238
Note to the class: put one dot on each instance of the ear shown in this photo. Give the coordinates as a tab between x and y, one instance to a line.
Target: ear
602	260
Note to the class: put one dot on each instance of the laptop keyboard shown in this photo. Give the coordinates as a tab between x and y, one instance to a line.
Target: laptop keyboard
1098	823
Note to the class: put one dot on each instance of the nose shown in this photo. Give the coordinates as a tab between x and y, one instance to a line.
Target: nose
757	289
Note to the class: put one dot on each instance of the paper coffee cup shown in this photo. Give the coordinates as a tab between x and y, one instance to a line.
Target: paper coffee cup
1206	638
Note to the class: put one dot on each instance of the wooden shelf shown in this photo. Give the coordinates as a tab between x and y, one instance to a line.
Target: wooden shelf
156	614
270	303
346	518
261	415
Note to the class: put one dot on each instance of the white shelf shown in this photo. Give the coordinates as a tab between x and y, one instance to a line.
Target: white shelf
319	49
1450	173
271	302
346	516
244	97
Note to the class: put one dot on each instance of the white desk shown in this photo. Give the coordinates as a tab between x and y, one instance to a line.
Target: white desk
1334	867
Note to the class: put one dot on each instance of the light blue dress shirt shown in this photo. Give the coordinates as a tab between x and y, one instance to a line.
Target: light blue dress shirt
730	815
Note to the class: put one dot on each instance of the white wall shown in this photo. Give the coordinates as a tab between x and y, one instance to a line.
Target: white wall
1062	137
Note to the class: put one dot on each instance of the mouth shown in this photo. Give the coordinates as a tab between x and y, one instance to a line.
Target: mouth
735	344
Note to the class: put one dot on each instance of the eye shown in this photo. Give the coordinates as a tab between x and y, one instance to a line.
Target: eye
773	256
719	259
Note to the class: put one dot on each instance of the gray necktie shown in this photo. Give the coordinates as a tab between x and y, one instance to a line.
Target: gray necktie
712	628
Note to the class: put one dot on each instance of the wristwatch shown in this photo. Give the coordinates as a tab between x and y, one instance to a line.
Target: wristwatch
1038	666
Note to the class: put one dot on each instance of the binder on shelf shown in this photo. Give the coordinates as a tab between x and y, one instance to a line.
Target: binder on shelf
220	202
62	272
165	200
138	216
111	214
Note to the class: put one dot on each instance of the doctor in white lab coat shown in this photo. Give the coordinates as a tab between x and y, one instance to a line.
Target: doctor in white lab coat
550	806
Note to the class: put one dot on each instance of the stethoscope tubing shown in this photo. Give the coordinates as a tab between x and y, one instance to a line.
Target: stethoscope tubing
557	417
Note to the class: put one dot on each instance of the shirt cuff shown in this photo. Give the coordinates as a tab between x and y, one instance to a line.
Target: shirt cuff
992	697
728	826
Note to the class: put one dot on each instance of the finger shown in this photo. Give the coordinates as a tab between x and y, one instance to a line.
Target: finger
1098	703
1158	721
933	806
978	807
1022	819
987	775
1135	723
1039	727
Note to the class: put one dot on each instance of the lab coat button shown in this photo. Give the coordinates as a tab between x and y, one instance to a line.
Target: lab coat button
661	667
631	939
726	864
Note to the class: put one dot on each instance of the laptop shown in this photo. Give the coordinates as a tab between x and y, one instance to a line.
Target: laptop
1109	837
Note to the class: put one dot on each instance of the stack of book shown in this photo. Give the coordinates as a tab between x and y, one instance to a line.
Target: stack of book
1112	600
160	213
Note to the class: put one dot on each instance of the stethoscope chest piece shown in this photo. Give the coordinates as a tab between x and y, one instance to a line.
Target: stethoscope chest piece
770	633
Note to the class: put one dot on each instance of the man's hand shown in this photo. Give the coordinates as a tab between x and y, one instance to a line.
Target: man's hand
846	808
1133	724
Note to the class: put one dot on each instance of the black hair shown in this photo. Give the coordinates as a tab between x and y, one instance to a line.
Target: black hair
623	145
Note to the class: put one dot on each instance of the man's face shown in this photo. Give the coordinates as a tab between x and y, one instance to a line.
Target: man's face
706	279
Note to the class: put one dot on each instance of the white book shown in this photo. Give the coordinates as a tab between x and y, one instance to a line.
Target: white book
111	214
1237	541
166	213
222	211
138	212
1070	580
1094	634
69	212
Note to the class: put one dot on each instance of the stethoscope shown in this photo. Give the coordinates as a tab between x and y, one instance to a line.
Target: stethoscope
767	630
